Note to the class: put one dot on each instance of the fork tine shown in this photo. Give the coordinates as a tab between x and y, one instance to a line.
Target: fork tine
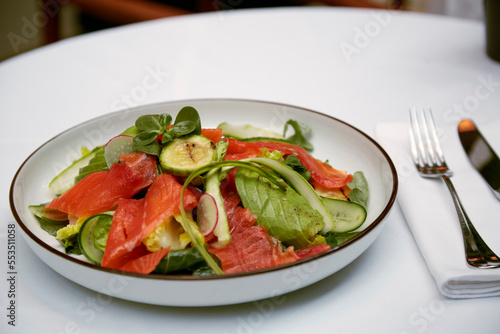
413	144
418	151
438	152
426	124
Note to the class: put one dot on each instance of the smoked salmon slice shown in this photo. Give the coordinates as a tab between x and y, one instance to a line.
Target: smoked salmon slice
251	247
101	191
136	219
321	172
215	135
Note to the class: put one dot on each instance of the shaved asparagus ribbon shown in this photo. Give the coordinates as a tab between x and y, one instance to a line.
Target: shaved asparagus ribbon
188	228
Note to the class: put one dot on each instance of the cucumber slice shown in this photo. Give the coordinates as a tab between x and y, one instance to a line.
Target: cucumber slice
348	216
268	140
184	155
96	164
66	179
245	131
87	236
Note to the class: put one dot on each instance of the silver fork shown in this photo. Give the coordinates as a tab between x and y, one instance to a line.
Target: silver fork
429	160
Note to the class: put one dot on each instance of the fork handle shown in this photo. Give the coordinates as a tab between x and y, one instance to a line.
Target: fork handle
477	252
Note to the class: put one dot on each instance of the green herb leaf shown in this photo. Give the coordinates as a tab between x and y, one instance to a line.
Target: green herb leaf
148	122
294	163
299	137
335	239
165	120
71	245
146	137
167	136
154	148
183	128
132	131
189	114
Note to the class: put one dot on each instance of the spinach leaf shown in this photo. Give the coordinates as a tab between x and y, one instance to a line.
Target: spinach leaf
179	260
204	271
359	190
51	226
335	239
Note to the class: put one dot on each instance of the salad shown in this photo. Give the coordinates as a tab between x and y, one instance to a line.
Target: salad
172	197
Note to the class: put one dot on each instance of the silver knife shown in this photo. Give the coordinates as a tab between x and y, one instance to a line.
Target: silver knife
480	154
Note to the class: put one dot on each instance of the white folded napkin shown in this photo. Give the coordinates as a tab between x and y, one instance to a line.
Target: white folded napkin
431	215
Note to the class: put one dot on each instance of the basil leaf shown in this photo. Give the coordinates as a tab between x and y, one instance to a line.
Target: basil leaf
189	114
148	122
299	137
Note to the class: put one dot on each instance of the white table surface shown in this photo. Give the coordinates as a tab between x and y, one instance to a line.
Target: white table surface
293	56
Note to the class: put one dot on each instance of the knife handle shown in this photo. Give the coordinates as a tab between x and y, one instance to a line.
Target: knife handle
477	252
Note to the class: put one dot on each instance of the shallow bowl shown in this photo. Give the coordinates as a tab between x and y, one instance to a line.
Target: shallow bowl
344	146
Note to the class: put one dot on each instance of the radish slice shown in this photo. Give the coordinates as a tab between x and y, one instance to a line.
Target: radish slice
117	146
208	214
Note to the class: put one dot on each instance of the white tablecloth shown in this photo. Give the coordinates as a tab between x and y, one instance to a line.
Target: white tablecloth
361	66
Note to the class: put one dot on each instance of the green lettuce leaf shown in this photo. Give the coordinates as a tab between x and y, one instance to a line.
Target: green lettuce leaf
284	213
359	190
302	131
101	231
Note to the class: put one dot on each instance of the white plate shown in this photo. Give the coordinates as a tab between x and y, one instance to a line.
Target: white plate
344	146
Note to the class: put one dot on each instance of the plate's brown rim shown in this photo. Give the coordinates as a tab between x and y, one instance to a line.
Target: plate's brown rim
363	233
